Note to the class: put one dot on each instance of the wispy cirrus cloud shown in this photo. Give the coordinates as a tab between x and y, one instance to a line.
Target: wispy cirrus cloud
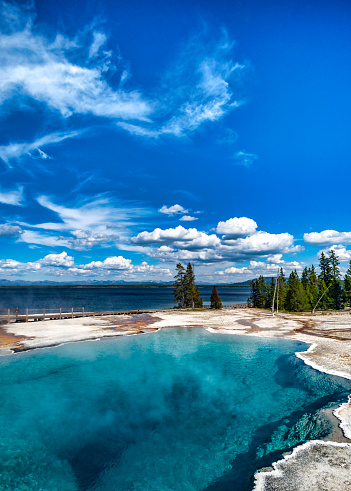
84	224
14	151
66	74
199	88
244	158
14	197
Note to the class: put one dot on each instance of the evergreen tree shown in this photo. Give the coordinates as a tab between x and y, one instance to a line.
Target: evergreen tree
281	290
270	288
313	286
347	287
179	289
253	297
198	303
192	295
335	294
323	296
296	299
261	292
304	279
216	302
325	268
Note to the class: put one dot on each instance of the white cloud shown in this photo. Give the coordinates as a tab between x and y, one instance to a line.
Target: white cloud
14	151
172	210
86	239
10	230
244	158
234	270
61	259
49	72
196	90
14	197
98	41
263	243
39	238
340	250
327	237
275	258
187	218
269	267
167	236
236	227
191	244
114	262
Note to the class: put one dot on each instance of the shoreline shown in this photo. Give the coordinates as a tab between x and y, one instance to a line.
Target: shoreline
328	336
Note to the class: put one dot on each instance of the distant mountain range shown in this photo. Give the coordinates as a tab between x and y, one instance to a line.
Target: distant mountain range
10	283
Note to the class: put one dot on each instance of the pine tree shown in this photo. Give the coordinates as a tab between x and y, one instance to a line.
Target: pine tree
347	287
253	297
336	295
313	286
216	302
326	272
270	288
296	300
198	303
179	285
282	290
261	292
324	299
192	294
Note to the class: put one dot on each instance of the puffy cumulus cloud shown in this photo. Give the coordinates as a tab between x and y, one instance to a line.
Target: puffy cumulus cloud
269	267
263	243
10	230
187	218
62	259
167	236
172	210
192	244
67	75
14	197
112	263
234	270
327	237
120	265
340	250
275	258
236	227
63	265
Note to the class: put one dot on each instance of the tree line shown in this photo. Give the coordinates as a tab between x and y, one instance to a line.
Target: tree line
297	294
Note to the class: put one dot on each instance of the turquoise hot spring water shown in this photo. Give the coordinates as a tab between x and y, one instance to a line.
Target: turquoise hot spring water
178	409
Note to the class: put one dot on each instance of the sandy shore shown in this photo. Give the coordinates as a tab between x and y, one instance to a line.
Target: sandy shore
324	465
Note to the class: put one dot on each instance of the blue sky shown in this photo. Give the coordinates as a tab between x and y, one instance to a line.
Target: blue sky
138	134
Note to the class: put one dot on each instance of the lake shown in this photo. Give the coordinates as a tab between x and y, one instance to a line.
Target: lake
99	299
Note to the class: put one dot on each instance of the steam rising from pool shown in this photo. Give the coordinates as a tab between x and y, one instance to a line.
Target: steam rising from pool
180	409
